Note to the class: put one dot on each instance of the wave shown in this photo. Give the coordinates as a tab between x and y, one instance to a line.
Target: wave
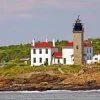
49	91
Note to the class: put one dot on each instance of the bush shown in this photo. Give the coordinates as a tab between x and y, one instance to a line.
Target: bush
46	63
9	66
18	61
29	62
22	65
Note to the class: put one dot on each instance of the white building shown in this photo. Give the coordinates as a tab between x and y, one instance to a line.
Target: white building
57	58
44	51
68	53
95	59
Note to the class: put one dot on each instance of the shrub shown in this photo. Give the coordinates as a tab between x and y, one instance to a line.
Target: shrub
45	63
18	61
22	65
28	62
9	66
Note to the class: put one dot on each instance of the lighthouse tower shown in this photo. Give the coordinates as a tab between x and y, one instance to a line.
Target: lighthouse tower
78	39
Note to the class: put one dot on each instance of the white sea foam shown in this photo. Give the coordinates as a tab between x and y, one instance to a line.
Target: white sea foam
49	91
83	90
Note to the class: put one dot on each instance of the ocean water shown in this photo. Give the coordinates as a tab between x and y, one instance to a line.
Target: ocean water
51	95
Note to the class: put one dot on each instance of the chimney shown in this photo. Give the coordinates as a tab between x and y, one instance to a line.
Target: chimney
53	42
33	42
91	42
46	40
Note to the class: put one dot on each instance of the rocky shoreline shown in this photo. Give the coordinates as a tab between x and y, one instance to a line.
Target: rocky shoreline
88	80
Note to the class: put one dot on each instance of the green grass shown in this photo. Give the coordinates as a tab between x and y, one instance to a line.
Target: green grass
14	71
71	68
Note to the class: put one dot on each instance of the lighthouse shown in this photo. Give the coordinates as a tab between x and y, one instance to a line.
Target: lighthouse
78	40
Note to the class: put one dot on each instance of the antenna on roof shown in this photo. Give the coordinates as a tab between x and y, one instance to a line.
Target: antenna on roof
78	17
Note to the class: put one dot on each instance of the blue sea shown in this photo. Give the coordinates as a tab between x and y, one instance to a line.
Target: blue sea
51	95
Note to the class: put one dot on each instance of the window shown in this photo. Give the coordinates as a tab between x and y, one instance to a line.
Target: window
90	50
64	60
34	60
87	58
40	51
87	50
58	61
40	60
34	51
46	51
77	47
90	57
46	59
96	58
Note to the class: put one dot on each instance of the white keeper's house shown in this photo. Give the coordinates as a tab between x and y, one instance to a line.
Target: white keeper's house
76	52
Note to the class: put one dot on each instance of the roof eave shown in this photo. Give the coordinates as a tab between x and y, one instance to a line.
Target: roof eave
44	47
57	57
67	46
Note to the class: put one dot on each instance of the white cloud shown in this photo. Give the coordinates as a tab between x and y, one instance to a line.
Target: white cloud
72	4
23	15
19	8
15	16
22	5
27	5
10	9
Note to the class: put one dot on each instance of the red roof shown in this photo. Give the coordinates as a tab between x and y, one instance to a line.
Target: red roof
43	45
71	44
57	54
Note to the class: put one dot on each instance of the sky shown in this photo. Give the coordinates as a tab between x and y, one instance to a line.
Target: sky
24	20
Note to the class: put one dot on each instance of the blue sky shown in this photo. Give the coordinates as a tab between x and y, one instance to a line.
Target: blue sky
23	20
